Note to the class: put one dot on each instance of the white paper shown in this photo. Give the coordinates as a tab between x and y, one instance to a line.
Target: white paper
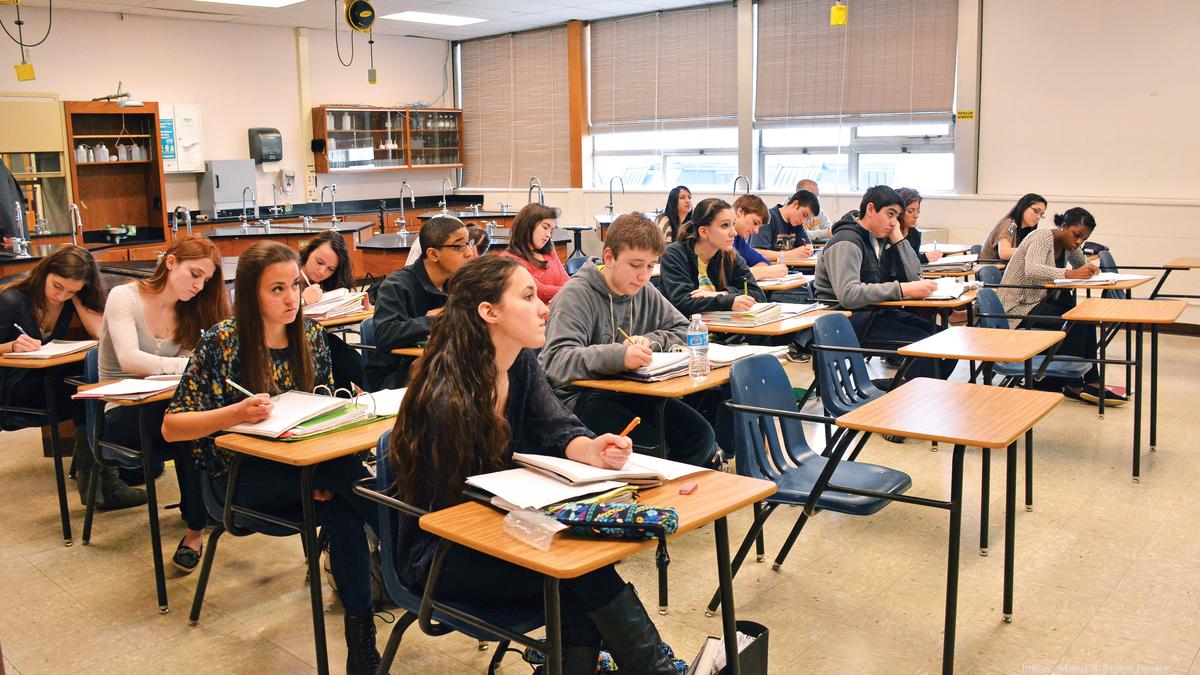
953	260
55	348
722	355
792	308
661	362
947	289
1101	279
944	248
531	490
291	408
387	401
130	387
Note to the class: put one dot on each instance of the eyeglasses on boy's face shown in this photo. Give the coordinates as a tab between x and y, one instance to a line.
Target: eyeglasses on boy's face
470	243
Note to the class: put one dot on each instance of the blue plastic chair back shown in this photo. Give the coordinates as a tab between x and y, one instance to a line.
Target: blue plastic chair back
989	274
575	264
366	336
843	377
214	503
987	302
91	407
977	249
1107	264
761	381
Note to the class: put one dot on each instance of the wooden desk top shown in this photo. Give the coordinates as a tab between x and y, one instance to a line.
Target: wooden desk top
807	262
349	319
962	301
676	387
791	324
409	351
479	527
1124	285
936	274
984	344
785	286
7	361
161	396
975	415
310	451
1113	310
1184	264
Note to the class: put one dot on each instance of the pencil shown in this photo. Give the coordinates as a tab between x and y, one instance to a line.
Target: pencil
627	338
631	426
745	287
239	387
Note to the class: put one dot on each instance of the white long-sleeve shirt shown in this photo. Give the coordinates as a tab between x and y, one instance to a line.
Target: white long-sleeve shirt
127	347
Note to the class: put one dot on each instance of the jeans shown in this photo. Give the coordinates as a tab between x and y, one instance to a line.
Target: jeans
690	438
121	427
897	325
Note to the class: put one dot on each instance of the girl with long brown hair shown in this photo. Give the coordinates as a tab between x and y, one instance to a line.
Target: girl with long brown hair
530	243
475	398
701	272
325	266
269	347
151	327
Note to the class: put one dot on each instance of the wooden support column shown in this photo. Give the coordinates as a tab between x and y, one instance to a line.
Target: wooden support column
576	98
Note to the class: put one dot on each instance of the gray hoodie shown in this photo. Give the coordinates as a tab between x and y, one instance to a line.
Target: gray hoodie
582	340
851	273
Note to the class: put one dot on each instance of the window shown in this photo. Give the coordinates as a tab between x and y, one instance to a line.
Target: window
663	159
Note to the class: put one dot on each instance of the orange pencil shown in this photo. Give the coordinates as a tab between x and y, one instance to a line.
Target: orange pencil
631	426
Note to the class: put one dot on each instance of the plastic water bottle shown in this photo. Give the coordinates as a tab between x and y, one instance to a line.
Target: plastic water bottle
697	340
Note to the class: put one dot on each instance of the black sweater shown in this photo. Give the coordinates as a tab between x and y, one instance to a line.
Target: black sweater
404	298
681	275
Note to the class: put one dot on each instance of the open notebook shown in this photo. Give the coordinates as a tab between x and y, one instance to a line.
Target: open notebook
526	489
638	470
291	408
1101	279
55	348
335	303
130	389
947	289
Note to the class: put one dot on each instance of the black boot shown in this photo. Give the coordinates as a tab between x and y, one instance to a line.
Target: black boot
114	494
580	660
630	636
362	658
83	461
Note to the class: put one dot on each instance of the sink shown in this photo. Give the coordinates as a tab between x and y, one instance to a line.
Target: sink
472	214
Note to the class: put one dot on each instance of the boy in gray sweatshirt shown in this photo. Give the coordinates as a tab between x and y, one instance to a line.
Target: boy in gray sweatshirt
609	319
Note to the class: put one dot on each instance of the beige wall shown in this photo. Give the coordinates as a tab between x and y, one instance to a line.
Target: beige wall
242	76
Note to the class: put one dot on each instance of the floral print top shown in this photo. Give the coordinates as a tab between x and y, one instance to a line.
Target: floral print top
218	357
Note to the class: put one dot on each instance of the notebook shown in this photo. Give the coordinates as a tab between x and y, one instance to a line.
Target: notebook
944	248
661	363
130	389
638	470
723	355
947	289
55	348
335	303
795	309
1101	279
291	409
759	314
768	284
526	489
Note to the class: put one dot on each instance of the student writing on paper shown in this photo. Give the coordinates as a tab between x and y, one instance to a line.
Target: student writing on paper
1044	256
481	366
908	224
1007	234
751	212
269	347
410	297
676	212
325	266
701	272
65	286
151	327
584	340
819	226
785	236
868	261
530	243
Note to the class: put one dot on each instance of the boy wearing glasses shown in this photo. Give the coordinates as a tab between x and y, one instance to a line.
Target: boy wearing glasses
410	297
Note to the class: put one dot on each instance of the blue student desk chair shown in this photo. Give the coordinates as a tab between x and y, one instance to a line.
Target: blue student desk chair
762	394
841	366
366	342
575	264
989	274
486	623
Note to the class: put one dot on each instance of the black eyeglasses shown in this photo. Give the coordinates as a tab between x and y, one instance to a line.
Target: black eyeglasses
470	243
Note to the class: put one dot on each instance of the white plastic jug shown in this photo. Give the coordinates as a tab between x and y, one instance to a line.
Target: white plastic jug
81	153
102	153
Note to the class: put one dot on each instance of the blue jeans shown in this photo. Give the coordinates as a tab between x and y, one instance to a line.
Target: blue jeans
896	325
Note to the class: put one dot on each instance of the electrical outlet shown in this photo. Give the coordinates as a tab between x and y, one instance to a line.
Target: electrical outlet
310	193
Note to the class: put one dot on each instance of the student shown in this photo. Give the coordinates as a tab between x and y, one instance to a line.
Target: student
584	340
480	236
908	224
784	237
481	366
325	266
676	213
701	272
750	212
819	226
1012	229
1044	256
531	244
151	327
269	347
39	308
410	297
866	262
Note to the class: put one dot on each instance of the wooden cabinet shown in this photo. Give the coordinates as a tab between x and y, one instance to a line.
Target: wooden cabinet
127	190
386	139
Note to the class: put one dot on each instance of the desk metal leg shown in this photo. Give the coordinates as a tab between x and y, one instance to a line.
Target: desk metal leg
760	543
660	411
1137	409
728	615
985	496
1153	387
553	648
1029	440
314	567
51	382
1161	280
1010	529
160	579
956	488
1101	367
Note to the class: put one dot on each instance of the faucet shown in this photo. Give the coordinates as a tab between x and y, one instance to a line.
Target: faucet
445	184
735	184
412	200
76	222
536	183
253	195
187	220
275	192
610	192
332	187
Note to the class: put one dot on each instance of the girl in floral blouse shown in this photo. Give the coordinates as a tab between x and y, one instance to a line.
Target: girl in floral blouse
269	347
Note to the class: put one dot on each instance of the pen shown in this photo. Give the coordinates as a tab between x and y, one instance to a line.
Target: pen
627	338
18	327
239	387
631	426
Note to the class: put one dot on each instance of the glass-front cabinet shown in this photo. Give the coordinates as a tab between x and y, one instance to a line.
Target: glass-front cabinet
43	182
360	138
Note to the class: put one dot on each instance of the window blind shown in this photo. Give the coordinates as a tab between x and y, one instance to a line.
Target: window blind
663	70
514	100
892	58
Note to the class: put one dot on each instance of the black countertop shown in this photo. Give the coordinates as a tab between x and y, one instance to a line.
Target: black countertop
348	207
142	269
290	229
39	251
403	242
468	213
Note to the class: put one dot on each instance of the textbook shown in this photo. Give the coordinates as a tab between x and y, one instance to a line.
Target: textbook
129	389
663	366
1101	279
349	414
526	489
641	470
335	303
55	348
757	315
292	408
723	355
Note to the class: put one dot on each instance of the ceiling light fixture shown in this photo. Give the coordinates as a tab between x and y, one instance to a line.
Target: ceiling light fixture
439	19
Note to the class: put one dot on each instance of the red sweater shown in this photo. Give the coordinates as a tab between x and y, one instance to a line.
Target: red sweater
550	280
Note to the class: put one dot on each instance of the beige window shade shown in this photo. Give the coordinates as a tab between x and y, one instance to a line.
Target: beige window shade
668	69
514	90
893	57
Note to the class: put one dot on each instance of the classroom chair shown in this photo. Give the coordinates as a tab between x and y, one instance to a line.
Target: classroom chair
841	365
976	249
989	274
366	345
486	623
575	264
761	395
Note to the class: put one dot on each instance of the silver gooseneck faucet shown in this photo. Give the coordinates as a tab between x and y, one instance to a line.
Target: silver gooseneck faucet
735	184
275	192
412	200
253	195
445	184
76	221
610	206
536	182
333	217
187	220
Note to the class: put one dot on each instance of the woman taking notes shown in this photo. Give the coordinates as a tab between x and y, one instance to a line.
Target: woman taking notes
908	224
269	348
480	365
530	244
151	327
1012	229
325	266
701	272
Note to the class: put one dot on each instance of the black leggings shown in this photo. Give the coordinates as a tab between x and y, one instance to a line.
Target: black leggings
26	388
1080	340
347	363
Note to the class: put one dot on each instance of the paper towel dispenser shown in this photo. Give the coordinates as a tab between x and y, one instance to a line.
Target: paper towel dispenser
266	145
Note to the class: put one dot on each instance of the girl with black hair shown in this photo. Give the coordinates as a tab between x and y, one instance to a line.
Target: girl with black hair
325	266
1011	230
676	213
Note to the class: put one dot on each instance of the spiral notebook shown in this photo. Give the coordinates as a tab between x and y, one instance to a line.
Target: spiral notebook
291	409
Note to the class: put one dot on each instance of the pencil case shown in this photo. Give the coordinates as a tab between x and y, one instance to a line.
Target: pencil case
616	520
